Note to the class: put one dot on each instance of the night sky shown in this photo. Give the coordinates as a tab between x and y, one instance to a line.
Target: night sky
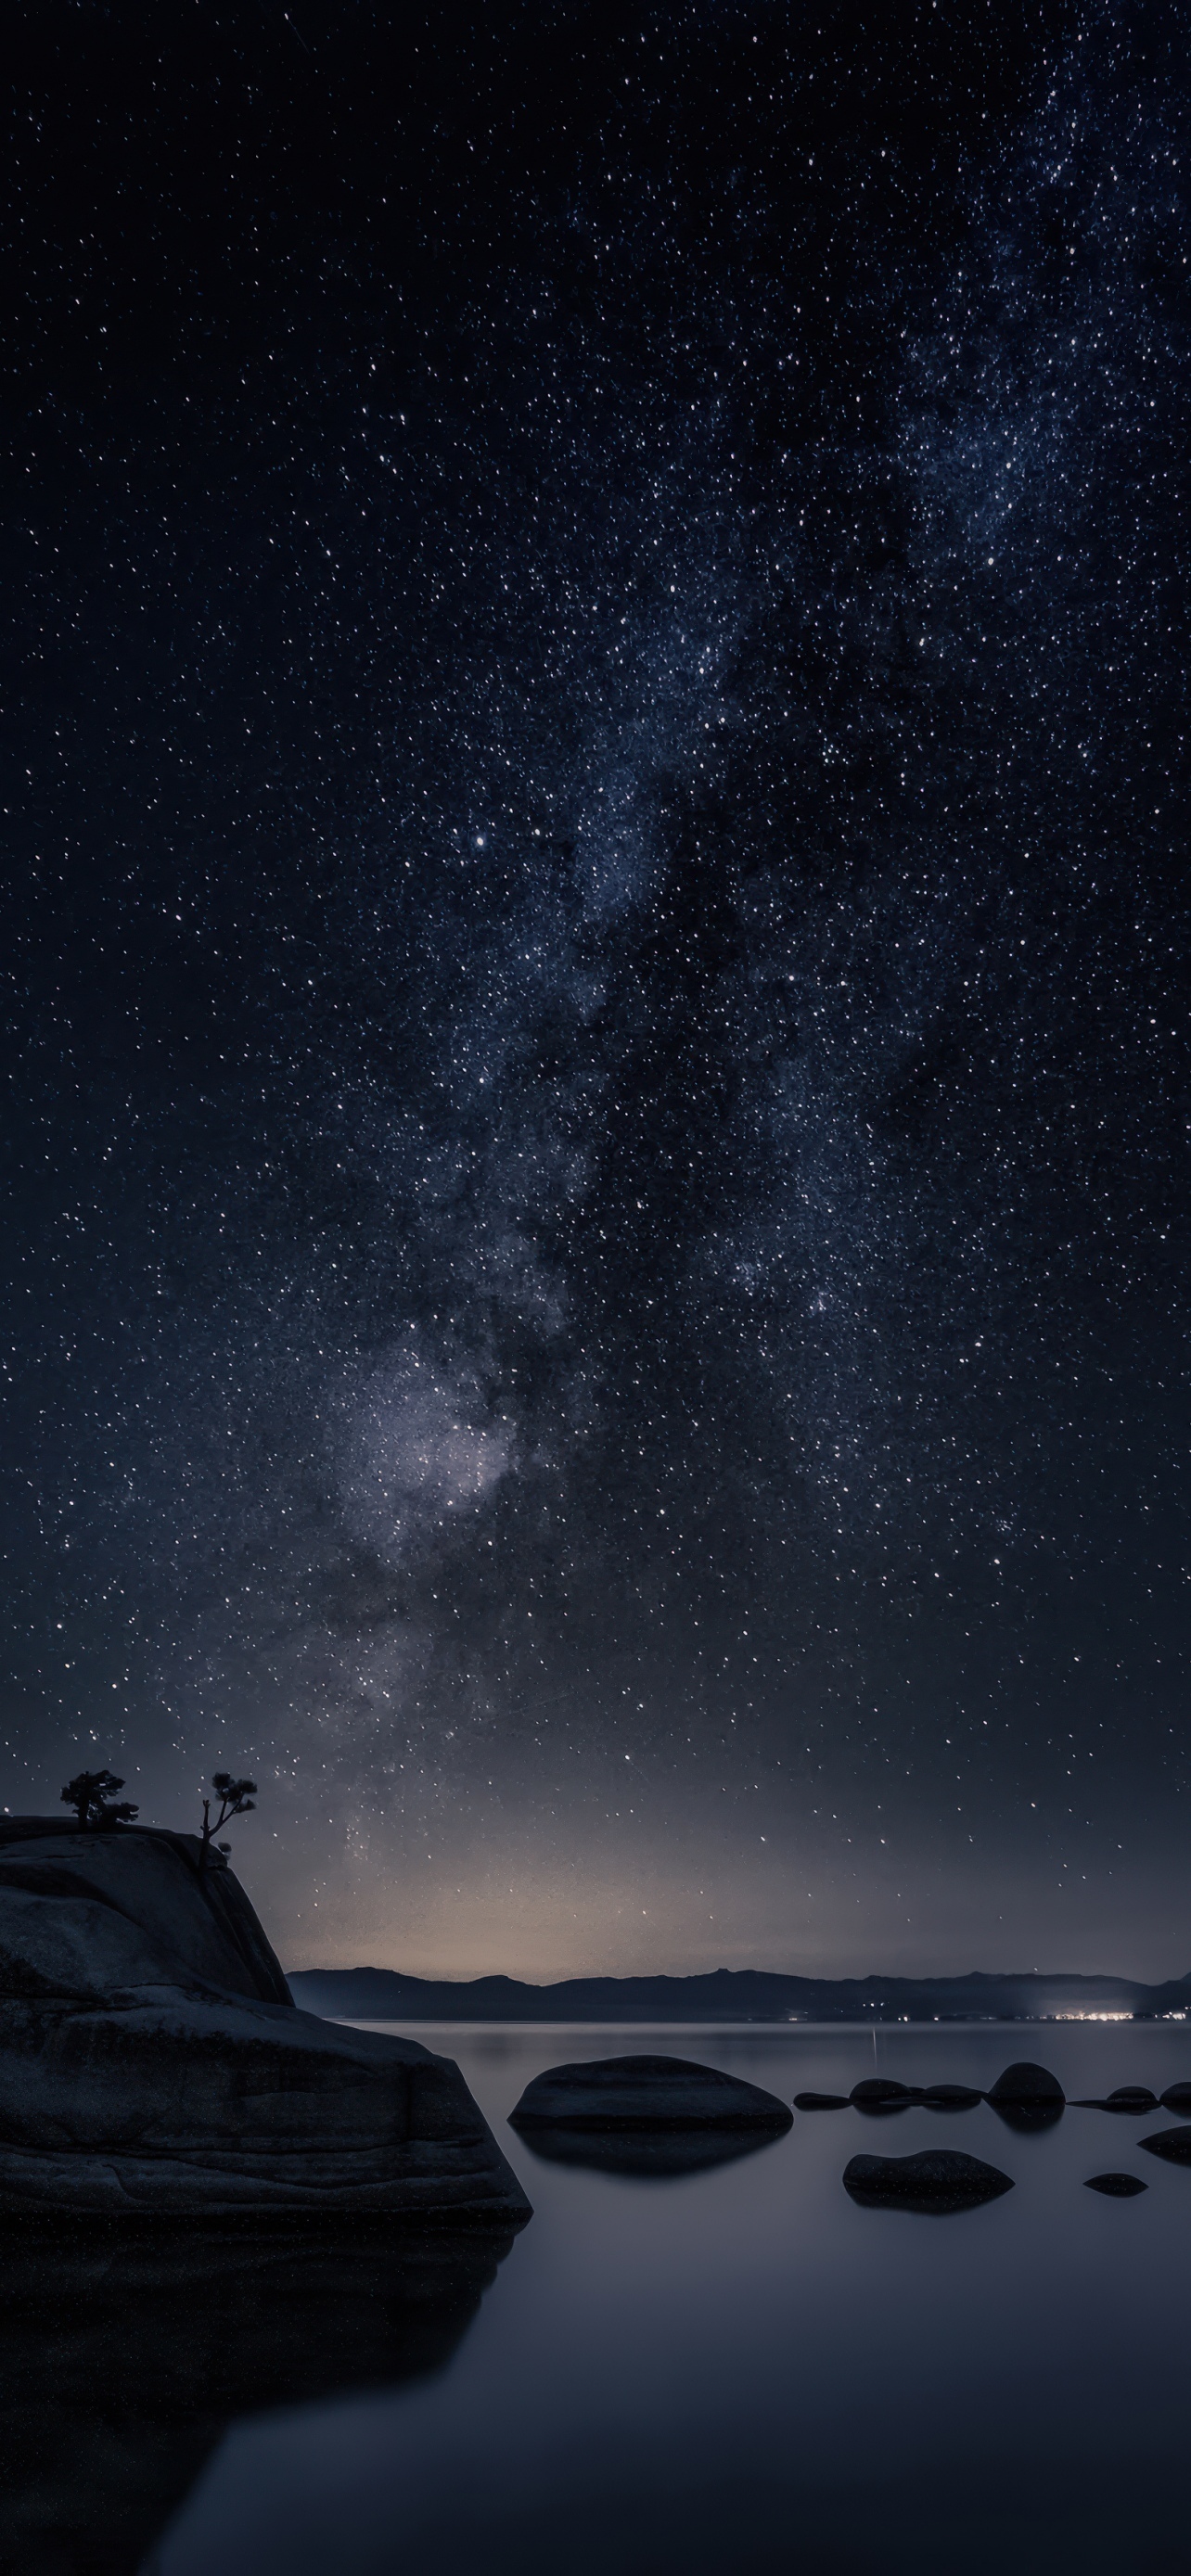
595	949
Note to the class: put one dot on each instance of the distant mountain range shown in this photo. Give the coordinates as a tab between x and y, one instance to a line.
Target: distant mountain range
731	1994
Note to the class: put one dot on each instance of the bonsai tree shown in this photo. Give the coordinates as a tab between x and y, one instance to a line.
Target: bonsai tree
236	1798
92	1794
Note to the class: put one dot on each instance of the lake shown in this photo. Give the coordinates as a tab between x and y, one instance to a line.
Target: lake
733	2369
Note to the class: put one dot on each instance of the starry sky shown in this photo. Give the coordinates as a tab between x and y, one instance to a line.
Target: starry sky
595	950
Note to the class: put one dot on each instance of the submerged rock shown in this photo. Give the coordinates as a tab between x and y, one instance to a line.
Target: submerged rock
1173	2145
883	2093
646	2093
1177	2097
152	2065
1116	2186
939	2181
951	2097
820	2101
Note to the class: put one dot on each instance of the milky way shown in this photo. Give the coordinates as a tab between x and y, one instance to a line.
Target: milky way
597	954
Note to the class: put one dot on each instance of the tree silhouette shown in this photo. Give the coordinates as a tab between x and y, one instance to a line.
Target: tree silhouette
236	1798
92	1794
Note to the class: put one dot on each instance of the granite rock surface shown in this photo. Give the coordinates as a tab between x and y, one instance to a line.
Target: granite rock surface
152	2064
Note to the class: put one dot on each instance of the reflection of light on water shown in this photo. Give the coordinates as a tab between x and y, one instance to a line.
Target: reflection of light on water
1106	2016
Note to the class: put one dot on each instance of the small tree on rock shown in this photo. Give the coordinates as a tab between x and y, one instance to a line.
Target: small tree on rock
92	1794
236	1798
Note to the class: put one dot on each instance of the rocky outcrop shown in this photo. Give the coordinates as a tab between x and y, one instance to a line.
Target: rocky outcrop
153	2067
94	1914
951	2097
1177	2097
938	2181
646	2093
1116	2186
820	2101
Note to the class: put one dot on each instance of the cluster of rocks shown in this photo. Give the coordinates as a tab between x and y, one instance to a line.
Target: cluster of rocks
667	2115
1026	2096
1023	2089
879	2093
1024	2092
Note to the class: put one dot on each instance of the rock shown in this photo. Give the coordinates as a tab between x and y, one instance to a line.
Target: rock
1027	2097
1173	2145
939	2181
882	2093
951	2097
820	2101
1026	2087
153	2067
92	1915
1177	2097
646	2093
1116	2186
1136	2098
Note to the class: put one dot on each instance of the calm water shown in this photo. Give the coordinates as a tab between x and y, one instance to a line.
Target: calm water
735	2369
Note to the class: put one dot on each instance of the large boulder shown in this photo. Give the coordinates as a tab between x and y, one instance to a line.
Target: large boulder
646	2093
152	2065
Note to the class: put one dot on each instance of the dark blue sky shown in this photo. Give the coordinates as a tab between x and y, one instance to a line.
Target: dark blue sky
595	940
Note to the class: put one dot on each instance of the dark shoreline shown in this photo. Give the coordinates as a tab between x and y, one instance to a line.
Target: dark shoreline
732	1995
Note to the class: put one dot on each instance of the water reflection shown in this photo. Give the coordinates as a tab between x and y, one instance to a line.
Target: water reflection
122	2363
737	2368
1026	2117
644	2154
